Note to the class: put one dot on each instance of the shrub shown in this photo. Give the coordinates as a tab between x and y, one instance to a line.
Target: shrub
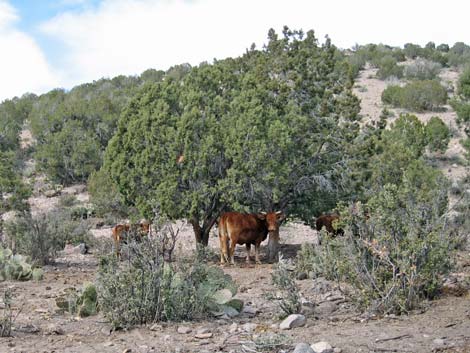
443	47
438	134
14	267
150	289
67	200
84	302
41	236
284	281
463	85
6	322
388	68
422	69
396	248
105	196
416	96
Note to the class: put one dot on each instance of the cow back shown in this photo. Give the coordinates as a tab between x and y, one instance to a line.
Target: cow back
243	228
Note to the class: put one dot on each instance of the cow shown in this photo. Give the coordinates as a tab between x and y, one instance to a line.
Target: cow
121	231
328	221
249	229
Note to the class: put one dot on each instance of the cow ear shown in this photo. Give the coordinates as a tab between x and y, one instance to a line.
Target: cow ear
280	215
261	215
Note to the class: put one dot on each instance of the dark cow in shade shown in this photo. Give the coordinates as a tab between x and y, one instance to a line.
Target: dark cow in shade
121	231
328	221
249	229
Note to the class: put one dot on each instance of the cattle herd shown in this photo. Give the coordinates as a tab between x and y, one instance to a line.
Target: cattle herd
234	228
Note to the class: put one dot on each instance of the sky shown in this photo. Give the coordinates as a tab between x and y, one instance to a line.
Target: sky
59	44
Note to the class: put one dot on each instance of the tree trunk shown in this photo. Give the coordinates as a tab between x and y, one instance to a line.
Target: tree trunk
273	247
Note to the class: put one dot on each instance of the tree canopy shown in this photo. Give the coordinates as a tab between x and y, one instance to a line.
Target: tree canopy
267	131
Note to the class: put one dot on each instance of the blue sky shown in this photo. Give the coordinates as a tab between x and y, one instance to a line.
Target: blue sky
47	44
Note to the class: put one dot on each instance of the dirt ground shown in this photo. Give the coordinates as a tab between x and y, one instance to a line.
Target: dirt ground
444	326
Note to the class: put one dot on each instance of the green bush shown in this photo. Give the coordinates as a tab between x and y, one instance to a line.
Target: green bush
6	322
388	68
284	281
14	267
105	196
150	289
463	85
422	69
416	96
396	248
40	237
438	134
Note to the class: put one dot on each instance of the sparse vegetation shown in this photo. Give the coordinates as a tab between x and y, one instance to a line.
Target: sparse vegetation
41	236
438	134
284	281
422	69
150	289
388	68
416	96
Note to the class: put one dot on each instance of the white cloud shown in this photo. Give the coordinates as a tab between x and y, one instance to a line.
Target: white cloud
23	67
129	36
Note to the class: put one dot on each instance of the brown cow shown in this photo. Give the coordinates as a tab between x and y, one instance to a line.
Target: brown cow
327	221
121	230
249	229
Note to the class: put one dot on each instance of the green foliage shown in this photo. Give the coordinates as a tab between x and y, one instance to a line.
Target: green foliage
224	137
284	281
443	47
412	50
13	191
41	236
438	134
463	85
69	155
395	253
6	322
150	289
459	54
416	96
422	69
83	302
105	196
14	267
388	68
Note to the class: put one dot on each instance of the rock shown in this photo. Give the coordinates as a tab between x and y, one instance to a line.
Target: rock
326	308
127	350
54	330
249	310
292	321
107	330
249	327
337	350
301	276
303	348
322	347
156	327
202	331
83	248
108	344
439	342
29	328
52	193
184	330
203	335
233	328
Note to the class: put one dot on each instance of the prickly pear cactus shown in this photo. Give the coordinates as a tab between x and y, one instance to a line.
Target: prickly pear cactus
14	267
223	302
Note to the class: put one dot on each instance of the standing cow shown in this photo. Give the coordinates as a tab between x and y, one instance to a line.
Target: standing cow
121	231
329	222
249	229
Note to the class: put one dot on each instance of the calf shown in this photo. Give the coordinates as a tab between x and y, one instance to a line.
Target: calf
249	229
121	231
327	221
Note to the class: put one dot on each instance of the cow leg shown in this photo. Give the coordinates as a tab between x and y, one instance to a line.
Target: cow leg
223	249
257	247
248	250
232	252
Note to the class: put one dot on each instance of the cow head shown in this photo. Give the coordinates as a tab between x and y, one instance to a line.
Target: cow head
272	219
